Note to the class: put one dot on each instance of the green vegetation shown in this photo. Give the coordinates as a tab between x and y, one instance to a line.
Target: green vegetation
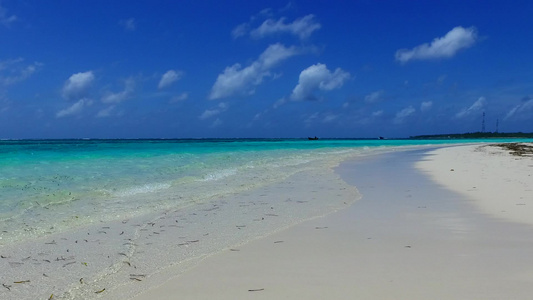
474	135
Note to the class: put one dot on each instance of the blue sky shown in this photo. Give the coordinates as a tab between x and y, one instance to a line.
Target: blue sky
180	69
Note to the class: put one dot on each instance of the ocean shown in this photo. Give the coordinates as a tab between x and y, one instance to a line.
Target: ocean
79	216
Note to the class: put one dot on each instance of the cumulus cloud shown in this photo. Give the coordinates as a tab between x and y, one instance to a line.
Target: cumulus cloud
169	78
443	47
318	77
525	106
77	85
220	108
426	105
374	97
476	107
128	24
5	18
302	27
236	80
74	109
114	98
403	114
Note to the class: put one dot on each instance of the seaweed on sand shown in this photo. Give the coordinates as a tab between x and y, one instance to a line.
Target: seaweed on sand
518	149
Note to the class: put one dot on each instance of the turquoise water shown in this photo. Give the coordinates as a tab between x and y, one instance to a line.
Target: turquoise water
48	186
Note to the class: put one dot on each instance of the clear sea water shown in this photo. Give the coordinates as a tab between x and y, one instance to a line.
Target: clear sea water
52	185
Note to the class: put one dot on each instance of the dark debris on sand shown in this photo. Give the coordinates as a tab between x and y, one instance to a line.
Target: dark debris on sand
518	149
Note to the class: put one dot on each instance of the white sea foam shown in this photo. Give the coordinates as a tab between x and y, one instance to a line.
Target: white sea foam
143	189
219	174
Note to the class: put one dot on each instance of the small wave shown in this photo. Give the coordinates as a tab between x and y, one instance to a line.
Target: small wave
146	188
219	175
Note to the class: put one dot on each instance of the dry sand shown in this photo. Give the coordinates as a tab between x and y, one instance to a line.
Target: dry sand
409	237
498	183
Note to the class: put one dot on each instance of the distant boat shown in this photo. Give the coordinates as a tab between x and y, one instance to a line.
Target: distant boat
381	138
312	138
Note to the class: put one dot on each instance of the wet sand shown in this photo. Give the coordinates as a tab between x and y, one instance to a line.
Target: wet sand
409	237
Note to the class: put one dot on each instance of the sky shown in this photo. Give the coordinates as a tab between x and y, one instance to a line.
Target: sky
264	69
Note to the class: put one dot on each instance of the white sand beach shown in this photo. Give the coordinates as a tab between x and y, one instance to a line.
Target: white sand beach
498	183
423	232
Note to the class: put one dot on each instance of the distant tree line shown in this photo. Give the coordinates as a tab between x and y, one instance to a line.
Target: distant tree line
474	135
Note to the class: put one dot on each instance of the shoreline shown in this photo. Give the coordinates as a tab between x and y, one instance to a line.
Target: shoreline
407	238
115	259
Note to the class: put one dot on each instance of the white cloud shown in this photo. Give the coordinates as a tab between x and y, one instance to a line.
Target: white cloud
17	72
302	27
366	120
77	85
74	109
179	98
318	77
106	112
236	80
129	86
259	115
425	106
128	24
240	30
403	114
264	13
220	108
374	97
377	113
476	107
329	118
5	18
447	46
274	54
169	78
311	119
280	102
526	105
217	122
5	64
23	75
